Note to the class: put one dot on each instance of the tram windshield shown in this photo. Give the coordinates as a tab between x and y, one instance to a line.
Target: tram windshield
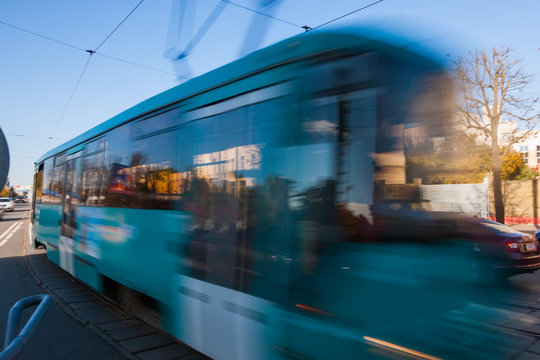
366	124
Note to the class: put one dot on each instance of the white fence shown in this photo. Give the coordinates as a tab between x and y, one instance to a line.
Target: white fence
470	199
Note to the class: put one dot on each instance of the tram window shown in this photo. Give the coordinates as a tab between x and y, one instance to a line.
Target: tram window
151	175
92	173
94	146
53	181
58	184
59	160
116	187
349	72
39	185
214	147
47	181
156	123
240	214
90	180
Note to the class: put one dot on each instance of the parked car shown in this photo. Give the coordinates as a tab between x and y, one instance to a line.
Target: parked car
21	199
7	204
507	251
489	250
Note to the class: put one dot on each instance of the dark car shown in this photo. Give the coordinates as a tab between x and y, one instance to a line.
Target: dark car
486	250
507	251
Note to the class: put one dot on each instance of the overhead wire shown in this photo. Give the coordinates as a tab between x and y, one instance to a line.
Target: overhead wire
263	14
305	27
90	52
350	13
41	36
71	96
95	51
116	28
84	50
139	65
31	136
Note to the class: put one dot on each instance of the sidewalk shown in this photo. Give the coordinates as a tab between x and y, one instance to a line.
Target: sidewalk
526	228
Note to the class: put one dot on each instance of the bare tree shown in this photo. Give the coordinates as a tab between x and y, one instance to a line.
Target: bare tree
493	90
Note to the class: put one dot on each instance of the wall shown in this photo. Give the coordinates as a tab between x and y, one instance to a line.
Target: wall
521	200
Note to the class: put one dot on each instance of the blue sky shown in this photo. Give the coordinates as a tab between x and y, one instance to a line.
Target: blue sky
38	76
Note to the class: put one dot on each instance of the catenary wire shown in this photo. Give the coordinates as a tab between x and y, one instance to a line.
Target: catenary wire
71	96
139	65
342	16
116	28
41	36
90	52
81	49
32	136
263	14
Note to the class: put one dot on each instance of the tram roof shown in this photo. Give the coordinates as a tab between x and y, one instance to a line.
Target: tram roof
312	43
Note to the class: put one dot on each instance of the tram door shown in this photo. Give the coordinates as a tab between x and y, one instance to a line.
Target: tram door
68	222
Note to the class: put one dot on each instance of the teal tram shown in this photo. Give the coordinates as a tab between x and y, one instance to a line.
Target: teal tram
245	211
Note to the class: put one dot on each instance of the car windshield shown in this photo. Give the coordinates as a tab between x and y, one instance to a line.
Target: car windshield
5	200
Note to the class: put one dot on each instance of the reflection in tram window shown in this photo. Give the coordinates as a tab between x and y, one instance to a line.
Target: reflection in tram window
232	200
92	182
150	175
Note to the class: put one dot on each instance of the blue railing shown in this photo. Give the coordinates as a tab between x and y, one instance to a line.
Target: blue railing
13	343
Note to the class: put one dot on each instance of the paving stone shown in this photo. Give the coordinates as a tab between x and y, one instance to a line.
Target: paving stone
131	332
87	304
534	328
60	281
526	356
516	341
76	299
71	292
535	348
99	315
61	278
195	356
169	352
117	325
520	302
145	343
52	276
64	286
41	266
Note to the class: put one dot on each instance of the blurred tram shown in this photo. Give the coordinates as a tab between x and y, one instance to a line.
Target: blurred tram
264	209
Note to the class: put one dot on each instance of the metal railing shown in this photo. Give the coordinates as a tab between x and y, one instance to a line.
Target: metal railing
13	343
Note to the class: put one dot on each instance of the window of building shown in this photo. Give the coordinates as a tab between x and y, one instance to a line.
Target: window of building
524	150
